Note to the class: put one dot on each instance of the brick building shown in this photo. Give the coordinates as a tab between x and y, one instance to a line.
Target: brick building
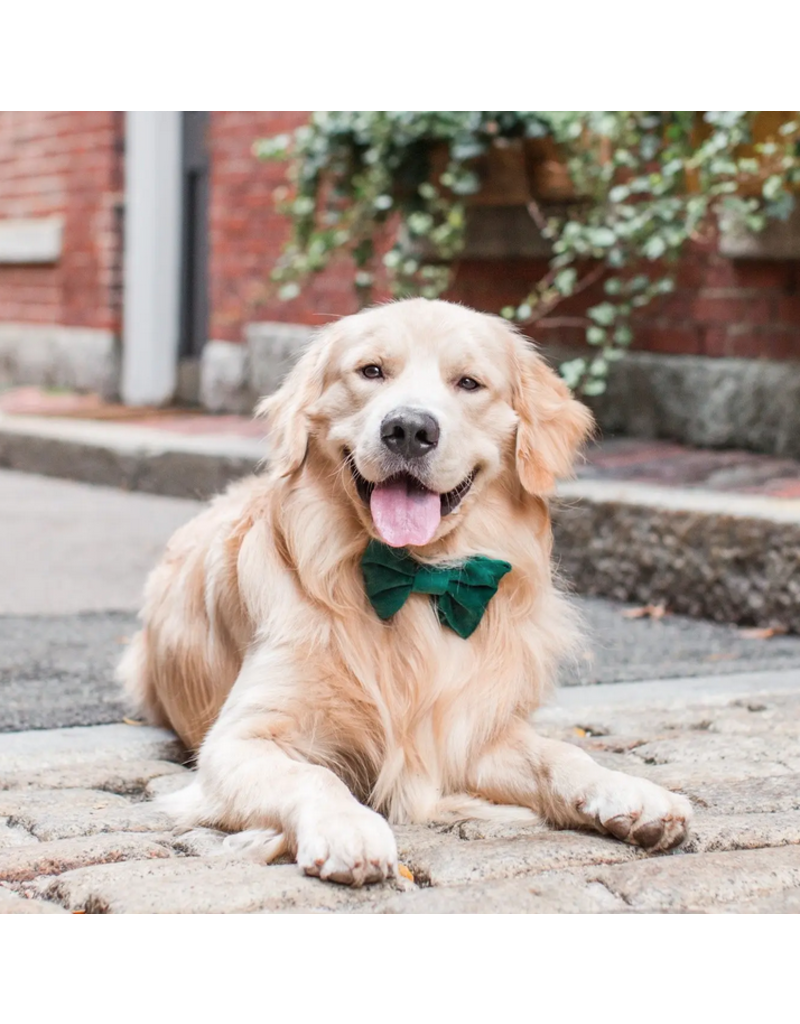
135	253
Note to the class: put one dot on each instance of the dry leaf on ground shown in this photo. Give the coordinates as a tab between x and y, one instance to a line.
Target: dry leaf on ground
404	871
647	611
132	721
762	634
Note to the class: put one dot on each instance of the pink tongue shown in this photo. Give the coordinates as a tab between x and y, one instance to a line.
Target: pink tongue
404	515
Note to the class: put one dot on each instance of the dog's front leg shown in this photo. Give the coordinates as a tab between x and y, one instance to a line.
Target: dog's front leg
564	785
254	773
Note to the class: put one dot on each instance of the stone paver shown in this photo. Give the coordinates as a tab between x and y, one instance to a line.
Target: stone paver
204	885
440	861
743	832
13	903
689	883
79	830
12	836
556	894
21	863
50	814
781	903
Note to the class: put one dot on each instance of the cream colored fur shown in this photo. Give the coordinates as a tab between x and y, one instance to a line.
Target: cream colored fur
259	647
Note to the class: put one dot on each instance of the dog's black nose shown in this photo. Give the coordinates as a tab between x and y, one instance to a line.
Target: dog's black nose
410	432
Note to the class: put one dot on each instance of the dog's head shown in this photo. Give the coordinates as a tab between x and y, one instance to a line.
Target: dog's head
422	405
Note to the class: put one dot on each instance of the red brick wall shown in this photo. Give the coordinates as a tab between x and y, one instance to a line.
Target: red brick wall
246	234
69	163
720	307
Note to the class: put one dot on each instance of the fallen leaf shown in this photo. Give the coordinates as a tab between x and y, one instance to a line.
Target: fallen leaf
580	732
647	611
132	721
78	911
404	871
762	634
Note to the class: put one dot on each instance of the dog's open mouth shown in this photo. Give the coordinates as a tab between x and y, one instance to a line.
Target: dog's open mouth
403	510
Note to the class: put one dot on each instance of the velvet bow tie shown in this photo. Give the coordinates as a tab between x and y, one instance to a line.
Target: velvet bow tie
460	592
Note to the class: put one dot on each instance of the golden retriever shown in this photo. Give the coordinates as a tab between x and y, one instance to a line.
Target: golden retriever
438	432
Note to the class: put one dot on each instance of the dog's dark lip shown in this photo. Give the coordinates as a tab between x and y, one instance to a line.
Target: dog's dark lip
450	501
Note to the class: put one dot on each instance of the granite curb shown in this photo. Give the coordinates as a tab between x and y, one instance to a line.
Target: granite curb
724	556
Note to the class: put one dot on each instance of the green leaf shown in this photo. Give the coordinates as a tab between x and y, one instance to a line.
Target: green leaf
564	281
623	335
595	335
572	370
772	187
655	247
601	237
604	314
593	387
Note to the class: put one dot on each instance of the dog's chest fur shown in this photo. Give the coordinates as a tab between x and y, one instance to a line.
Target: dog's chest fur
401	709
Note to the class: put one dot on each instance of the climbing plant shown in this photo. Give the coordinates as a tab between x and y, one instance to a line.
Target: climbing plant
390	189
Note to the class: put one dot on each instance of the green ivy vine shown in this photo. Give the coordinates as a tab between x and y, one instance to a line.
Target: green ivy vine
373	185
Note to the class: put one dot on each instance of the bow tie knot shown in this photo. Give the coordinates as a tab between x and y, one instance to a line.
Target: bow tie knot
460	591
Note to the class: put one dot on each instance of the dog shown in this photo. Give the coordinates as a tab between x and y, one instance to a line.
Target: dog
361	634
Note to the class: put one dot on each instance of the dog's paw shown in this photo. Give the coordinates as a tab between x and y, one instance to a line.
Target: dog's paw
636	811
353	846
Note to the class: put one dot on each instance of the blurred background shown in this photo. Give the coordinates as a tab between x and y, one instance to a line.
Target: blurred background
143	255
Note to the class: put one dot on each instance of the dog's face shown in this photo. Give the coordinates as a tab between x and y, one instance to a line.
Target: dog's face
422	405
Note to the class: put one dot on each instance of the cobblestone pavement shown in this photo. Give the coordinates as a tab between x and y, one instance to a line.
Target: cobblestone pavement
79	831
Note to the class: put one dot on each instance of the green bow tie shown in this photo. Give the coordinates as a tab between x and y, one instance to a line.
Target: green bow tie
461	592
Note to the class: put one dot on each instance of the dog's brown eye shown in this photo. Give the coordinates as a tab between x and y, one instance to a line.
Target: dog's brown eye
372	372
468	384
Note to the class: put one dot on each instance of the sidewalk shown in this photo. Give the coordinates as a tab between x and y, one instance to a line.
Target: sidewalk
714	534
78	831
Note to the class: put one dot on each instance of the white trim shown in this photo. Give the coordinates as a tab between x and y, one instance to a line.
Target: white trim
152	256
31	239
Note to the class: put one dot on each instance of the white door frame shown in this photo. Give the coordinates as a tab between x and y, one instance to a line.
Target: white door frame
152	256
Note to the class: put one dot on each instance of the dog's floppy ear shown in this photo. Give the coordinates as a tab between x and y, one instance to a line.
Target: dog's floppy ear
288	411
552	424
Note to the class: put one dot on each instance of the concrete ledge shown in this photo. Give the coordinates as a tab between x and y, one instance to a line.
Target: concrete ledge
711	403
780	240
726	557
81	358
30	239
233	377
132	458
224	385
273	349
